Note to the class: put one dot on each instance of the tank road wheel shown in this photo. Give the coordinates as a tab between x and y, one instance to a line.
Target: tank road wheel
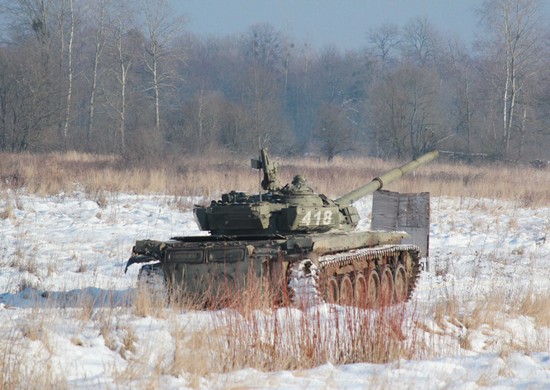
333	293
385	297
346	291
401	284
360	290
373	288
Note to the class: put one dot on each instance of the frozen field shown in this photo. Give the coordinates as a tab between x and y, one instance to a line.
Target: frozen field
66	319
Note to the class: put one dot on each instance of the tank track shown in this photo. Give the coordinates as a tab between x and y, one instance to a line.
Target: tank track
365	277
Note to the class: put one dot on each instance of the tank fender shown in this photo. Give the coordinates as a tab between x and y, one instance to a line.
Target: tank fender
139	259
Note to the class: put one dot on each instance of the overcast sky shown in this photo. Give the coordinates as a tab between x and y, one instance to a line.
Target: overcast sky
344	23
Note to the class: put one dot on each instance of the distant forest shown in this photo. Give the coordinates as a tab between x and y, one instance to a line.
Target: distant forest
127	77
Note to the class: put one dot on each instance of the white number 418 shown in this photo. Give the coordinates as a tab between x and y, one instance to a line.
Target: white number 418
319	218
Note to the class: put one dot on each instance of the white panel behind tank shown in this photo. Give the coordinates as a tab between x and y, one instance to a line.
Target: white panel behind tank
403	212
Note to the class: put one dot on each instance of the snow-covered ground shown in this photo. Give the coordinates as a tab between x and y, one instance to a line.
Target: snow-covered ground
64	301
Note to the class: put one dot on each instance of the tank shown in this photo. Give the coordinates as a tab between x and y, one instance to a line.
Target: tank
304	246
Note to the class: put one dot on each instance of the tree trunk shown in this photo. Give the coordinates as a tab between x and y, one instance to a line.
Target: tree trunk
97	54
70	75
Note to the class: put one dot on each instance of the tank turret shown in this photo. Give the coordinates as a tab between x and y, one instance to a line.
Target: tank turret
291	209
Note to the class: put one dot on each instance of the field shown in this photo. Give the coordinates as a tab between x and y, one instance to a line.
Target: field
72	318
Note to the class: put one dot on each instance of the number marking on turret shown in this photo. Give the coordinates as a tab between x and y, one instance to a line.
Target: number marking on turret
319	218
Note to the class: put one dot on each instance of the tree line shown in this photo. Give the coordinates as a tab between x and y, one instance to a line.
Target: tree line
127	77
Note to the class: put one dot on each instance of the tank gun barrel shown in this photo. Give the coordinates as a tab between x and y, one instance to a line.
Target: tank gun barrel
388	177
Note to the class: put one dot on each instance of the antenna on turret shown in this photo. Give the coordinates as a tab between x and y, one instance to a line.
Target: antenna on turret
270	181
257	164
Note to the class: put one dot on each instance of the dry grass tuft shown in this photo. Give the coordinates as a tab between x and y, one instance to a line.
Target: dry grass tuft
86	303
150	301
25	355
7	213
24	263
118	338
536	305
21	370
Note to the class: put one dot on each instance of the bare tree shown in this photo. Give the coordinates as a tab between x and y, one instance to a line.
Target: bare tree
420	41
161	27
459	78
121	50
406	116
512	51
35	14
32	28
264	45
263	92
25	110
69	70
384	40
198	123
335	132
98	15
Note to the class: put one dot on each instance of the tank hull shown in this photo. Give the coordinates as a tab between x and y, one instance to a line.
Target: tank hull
352	268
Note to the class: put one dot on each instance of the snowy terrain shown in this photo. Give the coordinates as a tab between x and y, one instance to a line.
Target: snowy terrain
58	251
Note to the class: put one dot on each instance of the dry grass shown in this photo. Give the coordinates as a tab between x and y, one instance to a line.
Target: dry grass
253	332
25	356
221	172
117	336
288	339
536	305
499	321
150	302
